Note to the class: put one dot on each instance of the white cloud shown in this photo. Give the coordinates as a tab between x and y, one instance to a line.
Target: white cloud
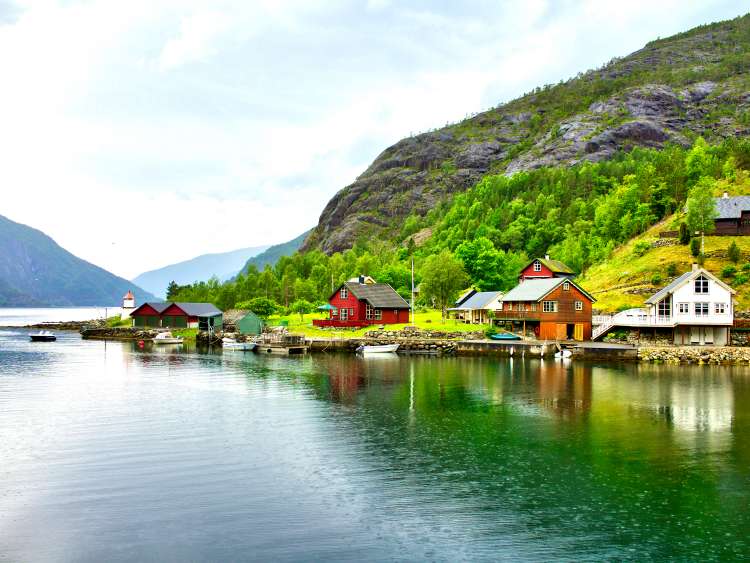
232	123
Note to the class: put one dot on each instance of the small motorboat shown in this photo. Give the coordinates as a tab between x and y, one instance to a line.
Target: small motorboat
167	338
382	349
43	336
504	336
232	344
563	354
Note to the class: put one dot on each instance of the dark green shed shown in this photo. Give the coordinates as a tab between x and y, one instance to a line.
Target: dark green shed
250	324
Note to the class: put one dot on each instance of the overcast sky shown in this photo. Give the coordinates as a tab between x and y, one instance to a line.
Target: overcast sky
138	133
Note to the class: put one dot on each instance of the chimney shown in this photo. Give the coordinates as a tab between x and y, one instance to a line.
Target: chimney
695	267
361	279
546	256
725	195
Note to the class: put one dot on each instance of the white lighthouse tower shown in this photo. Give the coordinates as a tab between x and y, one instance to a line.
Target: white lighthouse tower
128	305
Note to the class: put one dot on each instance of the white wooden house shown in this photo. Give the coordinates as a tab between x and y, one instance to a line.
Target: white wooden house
475	307
697	308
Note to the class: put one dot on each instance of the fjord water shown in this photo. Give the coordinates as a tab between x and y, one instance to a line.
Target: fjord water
113	453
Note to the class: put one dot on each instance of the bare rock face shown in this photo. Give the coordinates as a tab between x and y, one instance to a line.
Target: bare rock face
417	173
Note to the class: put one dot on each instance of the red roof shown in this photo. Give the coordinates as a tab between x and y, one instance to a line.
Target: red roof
129	295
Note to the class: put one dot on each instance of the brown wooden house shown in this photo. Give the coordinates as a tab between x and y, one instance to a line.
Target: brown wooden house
554	308
733	215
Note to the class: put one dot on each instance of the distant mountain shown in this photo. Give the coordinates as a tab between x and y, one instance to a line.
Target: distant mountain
36	271
224	265
273	253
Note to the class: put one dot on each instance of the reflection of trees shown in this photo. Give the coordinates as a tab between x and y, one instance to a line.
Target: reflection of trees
564	446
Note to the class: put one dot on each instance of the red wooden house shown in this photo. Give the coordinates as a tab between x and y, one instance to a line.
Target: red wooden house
177	315
357	303
545	268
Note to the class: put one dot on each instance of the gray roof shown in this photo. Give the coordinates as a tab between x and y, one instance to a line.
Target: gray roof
464	296
535	288
479	300
731	207
191	309
379	295
663	292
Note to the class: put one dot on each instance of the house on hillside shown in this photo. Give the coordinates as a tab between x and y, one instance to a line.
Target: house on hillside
550	308
732	215
476	308
203	316
545	268
361	302
695	309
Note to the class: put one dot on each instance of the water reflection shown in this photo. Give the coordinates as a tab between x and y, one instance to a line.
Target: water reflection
335	456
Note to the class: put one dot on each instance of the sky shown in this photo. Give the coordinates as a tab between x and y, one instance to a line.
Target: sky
141	133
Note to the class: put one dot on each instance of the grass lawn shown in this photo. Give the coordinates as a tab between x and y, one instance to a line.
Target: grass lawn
425	320
627	280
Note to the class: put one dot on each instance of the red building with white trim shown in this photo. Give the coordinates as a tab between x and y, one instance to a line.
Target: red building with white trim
362	302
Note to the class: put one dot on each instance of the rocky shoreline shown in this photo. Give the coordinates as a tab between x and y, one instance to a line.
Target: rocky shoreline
694	355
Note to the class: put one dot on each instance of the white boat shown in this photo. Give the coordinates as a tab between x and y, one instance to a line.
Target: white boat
167	338
232	344
563	354
382	349
43	336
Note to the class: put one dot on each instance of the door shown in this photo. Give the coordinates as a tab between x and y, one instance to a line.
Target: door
695	335
578	332
562	331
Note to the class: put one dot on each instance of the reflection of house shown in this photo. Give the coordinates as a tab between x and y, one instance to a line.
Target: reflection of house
363	302
554	308
476	307
177	315
732	215
696	308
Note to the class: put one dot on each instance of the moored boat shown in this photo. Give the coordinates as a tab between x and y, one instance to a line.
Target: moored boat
232	344
504	336
43	336
382	349
167	338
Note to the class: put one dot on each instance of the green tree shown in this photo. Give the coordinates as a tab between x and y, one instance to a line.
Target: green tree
442	278
172	290
733	252
701	209
684	233
695	247
301	306
261	306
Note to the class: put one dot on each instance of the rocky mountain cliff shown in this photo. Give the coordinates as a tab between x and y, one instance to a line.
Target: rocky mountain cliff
671	91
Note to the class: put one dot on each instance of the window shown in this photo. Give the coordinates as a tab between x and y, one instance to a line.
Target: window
533	306
701	309
566	286
344	293
683	308
549	306
720	308
537	266
519	307
701	284
664	308
368	312
579	305
378	314
344	314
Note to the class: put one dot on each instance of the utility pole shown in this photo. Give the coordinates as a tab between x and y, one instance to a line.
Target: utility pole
412	292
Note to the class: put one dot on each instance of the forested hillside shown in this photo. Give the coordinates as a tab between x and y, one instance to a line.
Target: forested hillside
590	164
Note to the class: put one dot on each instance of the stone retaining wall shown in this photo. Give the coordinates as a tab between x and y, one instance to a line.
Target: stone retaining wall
118	333
416	333
695	354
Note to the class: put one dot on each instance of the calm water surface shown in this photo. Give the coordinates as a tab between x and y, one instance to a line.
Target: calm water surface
110	453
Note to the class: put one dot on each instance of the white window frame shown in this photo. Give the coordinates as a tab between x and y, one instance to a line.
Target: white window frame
701	308
533	306
579	305
537	266
344	314
344	293
683	308
703	280
720	308
378	314
549	306
368	312
566	286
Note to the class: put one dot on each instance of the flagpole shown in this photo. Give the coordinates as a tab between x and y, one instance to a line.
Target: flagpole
412	292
